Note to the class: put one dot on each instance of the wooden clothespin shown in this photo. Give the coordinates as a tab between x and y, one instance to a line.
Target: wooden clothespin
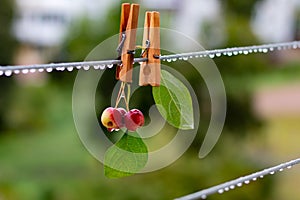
150	71
128	26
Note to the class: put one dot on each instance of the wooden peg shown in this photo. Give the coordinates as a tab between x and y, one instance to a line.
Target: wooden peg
125	10
124	18
150	70
128	26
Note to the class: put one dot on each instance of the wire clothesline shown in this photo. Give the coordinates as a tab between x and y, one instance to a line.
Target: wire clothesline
230	185
103	64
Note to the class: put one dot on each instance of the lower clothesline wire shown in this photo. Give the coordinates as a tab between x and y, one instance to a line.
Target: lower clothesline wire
230	185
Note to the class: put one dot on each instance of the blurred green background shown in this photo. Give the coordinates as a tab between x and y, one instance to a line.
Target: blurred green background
41	155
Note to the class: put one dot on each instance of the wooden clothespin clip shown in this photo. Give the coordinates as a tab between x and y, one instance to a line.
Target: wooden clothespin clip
150	70
128	26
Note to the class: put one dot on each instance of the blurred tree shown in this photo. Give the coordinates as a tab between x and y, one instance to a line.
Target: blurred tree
7	48
239	8
237	70
7	41
83	37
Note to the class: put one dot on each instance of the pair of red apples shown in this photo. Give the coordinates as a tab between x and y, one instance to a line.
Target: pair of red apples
117	118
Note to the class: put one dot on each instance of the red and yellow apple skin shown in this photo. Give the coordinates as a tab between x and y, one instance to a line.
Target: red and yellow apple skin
134	119
112	118
123	113
116	118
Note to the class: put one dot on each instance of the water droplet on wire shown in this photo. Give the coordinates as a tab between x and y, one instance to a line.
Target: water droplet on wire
49	69
232	187
86	68
254	179
25	71
62	69
17	71
295	46
218	54
70	69
239	184
235	53
102	67
1	73
229	54
174	59
8	73
247	182
211	55
289	167
203	196
246	52
110	66
32	70
220	191
281	169
226	189
169	60
96	67
41	70
185	58
78	67
272	172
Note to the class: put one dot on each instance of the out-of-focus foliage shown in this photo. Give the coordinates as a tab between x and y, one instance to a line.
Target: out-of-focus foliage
7	47
87	34
7	41
41	156
239	8
240	115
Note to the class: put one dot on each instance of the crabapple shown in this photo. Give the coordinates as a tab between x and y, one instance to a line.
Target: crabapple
134	119
123	112
113	118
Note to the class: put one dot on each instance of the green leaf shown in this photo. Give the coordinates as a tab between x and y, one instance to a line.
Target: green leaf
127	157
174	102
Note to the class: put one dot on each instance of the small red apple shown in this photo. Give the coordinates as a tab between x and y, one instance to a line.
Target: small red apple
112	118
123	112
134	119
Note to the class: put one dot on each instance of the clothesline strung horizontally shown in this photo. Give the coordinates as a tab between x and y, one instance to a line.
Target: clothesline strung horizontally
103	64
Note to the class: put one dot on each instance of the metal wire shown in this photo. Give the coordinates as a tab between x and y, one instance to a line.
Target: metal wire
225	187
265	48
86	65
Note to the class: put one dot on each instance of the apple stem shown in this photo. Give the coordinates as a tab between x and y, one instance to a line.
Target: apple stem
120	94
128	96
